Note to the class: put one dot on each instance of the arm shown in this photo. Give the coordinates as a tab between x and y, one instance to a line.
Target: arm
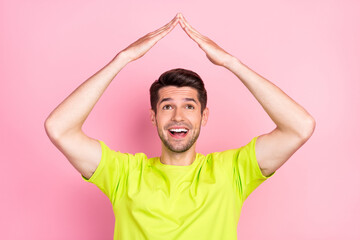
294	126
64	124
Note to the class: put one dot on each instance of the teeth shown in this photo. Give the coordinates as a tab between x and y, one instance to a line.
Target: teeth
178	130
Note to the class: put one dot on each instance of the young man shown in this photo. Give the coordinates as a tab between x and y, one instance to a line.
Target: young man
181	194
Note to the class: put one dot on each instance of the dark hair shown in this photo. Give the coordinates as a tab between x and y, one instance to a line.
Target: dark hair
180	78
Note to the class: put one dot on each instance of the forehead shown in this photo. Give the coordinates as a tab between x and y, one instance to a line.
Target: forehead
178	93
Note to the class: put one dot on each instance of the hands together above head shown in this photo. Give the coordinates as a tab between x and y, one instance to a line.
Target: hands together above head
142	45
214	53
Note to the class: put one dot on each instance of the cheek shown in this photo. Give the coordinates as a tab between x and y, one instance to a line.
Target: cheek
195	121
161	121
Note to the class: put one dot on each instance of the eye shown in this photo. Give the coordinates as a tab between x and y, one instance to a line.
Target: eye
190	106
166	107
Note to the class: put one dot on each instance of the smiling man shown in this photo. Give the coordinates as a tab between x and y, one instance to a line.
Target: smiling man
182	194
178	101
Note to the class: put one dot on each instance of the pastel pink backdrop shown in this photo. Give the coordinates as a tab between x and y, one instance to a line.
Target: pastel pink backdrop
310	49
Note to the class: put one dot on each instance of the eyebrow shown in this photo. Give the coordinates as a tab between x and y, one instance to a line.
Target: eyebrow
184	99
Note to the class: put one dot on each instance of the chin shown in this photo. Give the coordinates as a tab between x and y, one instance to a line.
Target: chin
179	150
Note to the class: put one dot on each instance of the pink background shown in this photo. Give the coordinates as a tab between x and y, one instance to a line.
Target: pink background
310	49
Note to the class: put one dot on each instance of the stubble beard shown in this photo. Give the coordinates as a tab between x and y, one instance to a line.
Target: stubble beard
178	148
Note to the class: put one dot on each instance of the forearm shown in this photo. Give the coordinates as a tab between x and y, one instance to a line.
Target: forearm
288	116
71	114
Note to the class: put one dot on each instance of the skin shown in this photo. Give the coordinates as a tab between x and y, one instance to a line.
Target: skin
294	125
178	112
64	124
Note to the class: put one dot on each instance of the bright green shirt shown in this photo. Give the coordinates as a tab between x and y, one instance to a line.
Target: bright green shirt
155	201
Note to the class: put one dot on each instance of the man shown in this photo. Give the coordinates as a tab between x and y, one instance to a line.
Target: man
181	194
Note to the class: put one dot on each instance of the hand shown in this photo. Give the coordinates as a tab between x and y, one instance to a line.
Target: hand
214	53
142	45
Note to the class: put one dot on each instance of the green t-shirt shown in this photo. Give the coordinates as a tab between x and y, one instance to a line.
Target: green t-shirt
155	201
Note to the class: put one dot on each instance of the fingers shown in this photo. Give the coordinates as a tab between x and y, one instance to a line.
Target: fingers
185	24
145	43
190	31
169	26
162	32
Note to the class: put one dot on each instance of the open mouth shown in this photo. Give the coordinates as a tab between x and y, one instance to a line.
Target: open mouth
178	132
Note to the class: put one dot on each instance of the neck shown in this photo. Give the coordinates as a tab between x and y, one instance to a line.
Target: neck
169	157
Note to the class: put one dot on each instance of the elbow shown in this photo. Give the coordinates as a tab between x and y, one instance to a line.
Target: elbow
57	131
51	130
307	129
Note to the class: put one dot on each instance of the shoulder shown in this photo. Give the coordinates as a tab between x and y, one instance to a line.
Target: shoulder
112	155
247	149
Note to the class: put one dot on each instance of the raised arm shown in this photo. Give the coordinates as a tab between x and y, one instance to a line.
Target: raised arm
64	124
294	125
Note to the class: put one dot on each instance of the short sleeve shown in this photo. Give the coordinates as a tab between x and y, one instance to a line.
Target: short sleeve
247	173
111	174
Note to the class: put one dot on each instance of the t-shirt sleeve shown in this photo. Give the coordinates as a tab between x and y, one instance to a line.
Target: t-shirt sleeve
247	173
112	172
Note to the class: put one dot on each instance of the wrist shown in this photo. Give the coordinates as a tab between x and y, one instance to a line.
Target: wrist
122	58
231	62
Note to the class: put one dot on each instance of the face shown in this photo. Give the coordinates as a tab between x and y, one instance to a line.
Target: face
178	118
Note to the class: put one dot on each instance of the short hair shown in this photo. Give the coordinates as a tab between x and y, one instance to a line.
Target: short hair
178	77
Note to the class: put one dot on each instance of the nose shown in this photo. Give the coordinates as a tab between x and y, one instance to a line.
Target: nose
178	115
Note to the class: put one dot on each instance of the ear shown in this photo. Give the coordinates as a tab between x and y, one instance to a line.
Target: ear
205	116
152	117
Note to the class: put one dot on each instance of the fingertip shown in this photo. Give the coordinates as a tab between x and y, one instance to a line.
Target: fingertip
176	22
175	18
